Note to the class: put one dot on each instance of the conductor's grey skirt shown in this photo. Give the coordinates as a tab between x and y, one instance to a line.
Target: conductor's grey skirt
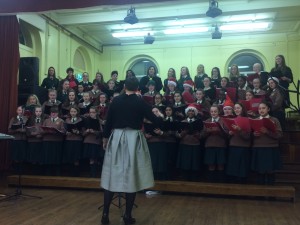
127	163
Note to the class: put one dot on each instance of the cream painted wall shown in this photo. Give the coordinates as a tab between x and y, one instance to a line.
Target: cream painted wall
56	48
208	52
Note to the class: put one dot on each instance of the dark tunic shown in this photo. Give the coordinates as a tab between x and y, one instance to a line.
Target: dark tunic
50	83
144	81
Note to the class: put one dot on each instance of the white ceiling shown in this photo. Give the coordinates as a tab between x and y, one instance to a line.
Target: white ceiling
96	24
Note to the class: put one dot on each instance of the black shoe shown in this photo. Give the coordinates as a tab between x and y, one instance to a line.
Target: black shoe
105	219
128	220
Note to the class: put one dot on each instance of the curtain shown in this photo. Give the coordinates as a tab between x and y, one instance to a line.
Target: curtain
9	66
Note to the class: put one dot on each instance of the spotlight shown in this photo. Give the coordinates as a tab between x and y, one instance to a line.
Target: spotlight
216	34
131	17
213	10
149	39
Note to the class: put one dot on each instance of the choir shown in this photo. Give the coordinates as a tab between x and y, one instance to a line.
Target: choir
216	126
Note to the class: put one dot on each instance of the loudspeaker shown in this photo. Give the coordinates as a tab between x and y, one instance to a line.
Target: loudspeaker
25	90
29	71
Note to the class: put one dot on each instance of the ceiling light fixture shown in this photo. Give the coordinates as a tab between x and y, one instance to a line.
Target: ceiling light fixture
131	17
149	39
185	30
127	34
216	34
213	10
245	26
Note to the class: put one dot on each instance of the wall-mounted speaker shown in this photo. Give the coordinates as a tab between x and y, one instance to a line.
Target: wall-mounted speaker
29	71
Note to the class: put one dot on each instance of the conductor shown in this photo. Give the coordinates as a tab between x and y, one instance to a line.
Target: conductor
127	163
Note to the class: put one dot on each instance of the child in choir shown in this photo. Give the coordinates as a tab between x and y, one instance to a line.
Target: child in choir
215	146
34	136
84	107
73	141
242	87
102	108
189	152
178	107
221	97
170	91
71	101
87	86
17	129
238	162
249	96
95	92
111	89
257	87
265	148
225	82
157	147
188	93
52	101
31	103
92	141
62	93
151	87
169	131
228	107
210	92
80	91
53	137
202	104
215	77
158	102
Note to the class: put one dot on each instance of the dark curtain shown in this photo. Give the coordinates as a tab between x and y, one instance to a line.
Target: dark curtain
9	66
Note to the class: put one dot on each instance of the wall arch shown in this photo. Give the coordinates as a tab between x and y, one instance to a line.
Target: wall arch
246	52
132	61
82	60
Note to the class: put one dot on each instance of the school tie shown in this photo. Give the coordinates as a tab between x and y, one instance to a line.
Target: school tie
38	120
177	104
199	102
102	105
73	120
53	120
151	92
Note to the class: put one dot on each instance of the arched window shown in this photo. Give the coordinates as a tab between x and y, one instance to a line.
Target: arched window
79	64
245	62
24	34
140	67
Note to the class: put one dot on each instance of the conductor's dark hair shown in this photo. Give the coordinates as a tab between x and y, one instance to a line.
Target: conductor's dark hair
131	84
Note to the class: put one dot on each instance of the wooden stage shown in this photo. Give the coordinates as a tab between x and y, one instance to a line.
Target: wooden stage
277	191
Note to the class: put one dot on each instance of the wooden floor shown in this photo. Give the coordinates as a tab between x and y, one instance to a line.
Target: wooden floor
277	191
79	207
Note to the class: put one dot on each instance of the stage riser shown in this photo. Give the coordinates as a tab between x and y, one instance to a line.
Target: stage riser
168	186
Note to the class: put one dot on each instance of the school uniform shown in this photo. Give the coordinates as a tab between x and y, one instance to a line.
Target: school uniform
16	128
65	109
265	151
241	92
87	86
210	94
204	107
239	155
53	142
73	142
84	108
158	153
215	144
35	139
102	111
189	152
180	108
94	95
277	107
169	130
62	95
48	104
